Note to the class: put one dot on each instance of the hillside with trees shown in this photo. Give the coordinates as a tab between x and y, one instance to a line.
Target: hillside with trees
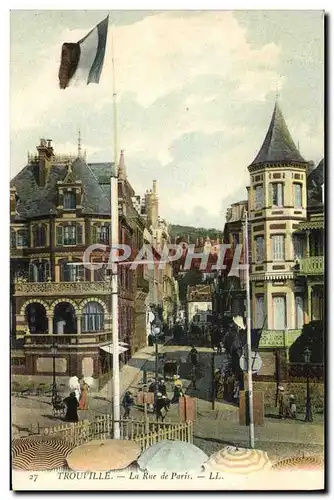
182	233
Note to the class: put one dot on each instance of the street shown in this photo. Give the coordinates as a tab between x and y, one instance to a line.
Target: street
213	428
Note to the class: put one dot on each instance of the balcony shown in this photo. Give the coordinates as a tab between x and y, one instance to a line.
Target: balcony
312	265
73	288
279	338
46	341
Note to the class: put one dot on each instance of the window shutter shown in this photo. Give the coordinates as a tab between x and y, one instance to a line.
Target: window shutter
12	238
59	232
94	237
31	272
271	194
79	234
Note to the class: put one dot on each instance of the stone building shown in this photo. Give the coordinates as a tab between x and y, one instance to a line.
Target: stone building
163	289
59	206
279	213
199	300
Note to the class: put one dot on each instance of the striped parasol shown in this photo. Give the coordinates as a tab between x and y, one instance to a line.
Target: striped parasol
235	460
101	455
299	463
39	453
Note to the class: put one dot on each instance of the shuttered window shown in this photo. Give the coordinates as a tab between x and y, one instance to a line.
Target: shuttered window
278	246
299	303
259	198
259	243
297	195
259	312
276	194
298	247
279	311
69	200
69	235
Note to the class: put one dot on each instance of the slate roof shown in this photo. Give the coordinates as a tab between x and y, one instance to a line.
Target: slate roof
315	180
37	201
278	146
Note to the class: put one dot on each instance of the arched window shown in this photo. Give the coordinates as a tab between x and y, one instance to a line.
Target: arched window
39	236
92	317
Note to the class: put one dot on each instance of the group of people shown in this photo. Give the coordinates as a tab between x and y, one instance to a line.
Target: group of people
287	407
226	386
77	400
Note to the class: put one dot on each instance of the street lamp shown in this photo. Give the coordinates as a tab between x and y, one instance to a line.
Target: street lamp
308	412
54	351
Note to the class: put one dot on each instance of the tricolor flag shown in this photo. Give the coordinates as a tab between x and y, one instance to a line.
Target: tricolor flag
82	62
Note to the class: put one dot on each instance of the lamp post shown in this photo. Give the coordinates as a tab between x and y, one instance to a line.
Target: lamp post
54	351
213	378
308	412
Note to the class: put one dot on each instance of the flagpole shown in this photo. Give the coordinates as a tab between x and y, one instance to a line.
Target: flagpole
249	338
114	271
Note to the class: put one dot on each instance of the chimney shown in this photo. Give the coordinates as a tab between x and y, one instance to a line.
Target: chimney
45	154
155	187
121	167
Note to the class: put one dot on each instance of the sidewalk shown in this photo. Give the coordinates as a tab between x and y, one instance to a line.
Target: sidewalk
130	373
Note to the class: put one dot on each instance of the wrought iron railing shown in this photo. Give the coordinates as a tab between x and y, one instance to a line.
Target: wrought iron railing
65	339
312	265
50	288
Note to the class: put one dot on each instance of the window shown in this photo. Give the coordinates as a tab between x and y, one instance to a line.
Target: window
259	198
298	247
259	248
278	247
101	234
299	303
297	191
277	194
70	272
22	238
69	200
93	317
69	234
259	311
39	271
279	310
39	236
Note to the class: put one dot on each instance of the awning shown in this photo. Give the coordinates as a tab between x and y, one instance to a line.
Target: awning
109	348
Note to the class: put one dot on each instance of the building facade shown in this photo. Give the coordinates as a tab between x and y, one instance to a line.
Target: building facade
278	213
59	206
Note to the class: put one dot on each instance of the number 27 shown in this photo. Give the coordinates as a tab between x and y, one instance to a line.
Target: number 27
33	477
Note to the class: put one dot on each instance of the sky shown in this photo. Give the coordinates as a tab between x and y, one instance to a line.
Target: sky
196	91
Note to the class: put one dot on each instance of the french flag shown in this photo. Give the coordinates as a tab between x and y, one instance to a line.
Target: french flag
82	62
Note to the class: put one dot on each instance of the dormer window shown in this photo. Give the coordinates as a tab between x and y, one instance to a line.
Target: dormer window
69	200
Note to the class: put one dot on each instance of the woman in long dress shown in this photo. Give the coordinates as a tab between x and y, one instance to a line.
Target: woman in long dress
83	403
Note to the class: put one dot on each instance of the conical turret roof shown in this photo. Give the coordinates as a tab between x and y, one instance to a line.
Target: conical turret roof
278	146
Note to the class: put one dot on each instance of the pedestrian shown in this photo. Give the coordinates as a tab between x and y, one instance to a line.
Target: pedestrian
163	404
72	404
236	392
127	403
282	406
83	401
193	354
162	387
293	406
